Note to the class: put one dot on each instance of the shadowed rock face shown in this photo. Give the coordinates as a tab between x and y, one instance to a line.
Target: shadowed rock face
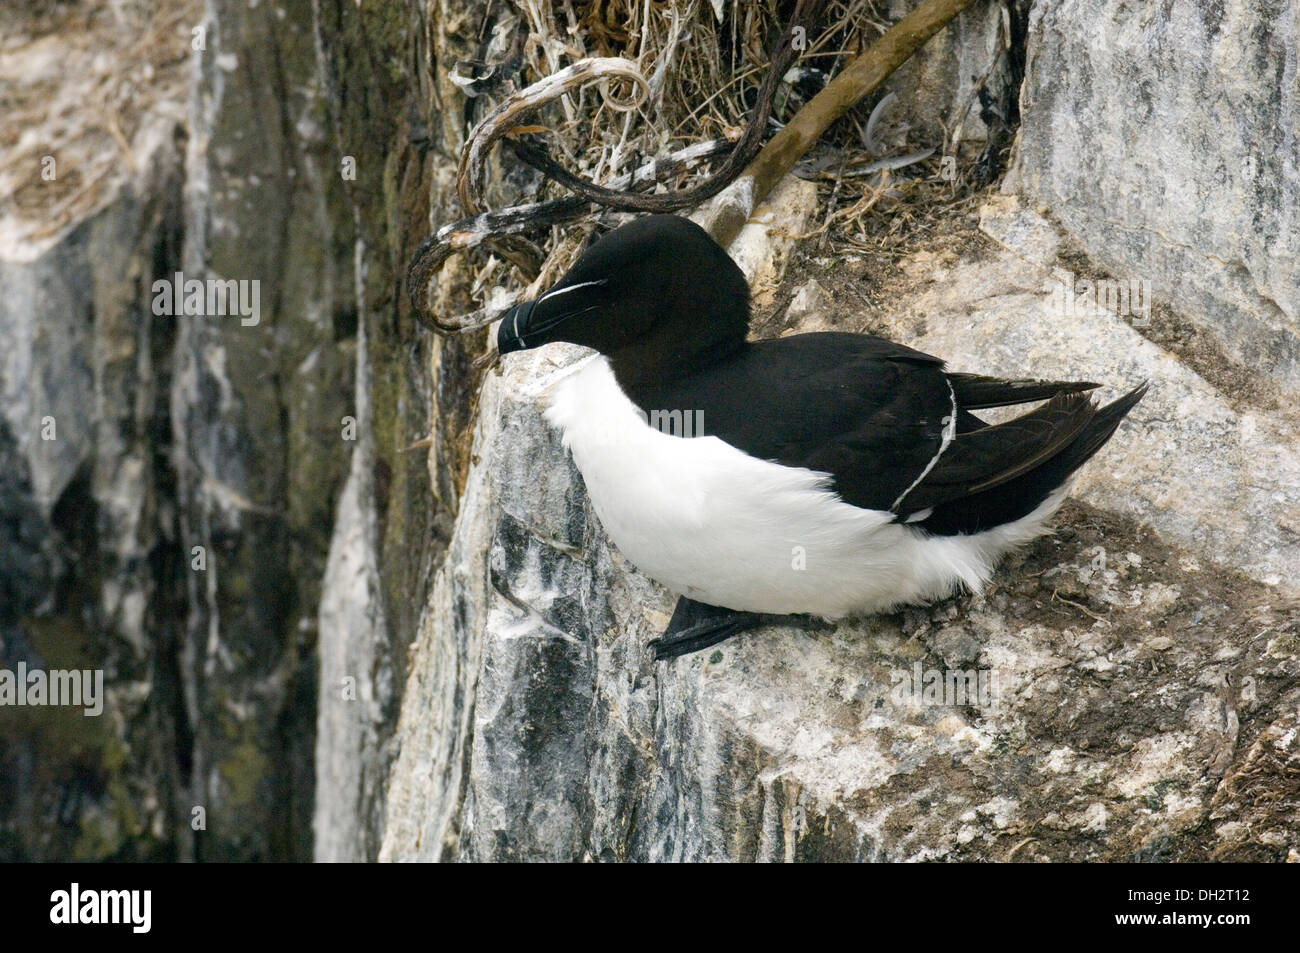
171	433
175	432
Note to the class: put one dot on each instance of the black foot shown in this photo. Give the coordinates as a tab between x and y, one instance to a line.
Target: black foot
697	625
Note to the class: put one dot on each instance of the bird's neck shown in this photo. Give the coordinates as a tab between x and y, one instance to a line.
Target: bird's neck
640	366
648	383
681	348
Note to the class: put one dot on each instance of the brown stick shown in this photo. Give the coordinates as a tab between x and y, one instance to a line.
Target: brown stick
860	78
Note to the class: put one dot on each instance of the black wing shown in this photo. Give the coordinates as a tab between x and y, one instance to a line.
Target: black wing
869	412
874	415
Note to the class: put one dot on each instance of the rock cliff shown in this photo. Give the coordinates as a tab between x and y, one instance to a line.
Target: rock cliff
349	597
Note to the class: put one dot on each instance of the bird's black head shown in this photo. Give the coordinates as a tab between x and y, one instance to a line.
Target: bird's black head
656	294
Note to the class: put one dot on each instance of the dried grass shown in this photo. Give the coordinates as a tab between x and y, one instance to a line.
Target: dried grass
703	75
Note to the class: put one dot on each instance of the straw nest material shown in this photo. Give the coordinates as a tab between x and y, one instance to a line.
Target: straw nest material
701	62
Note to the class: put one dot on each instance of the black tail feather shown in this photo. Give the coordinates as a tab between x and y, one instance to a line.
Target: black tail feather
1020	496
974	391
1101	429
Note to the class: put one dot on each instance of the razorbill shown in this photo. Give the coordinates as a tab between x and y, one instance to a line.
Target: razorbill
824	475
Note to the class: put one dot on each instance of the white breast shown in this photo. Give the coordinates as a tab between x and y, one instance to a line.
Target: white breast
710	522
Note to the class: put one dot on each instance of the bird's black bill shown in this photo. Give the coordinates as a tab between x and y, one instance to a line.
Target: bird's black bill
514	328
524	327
559	315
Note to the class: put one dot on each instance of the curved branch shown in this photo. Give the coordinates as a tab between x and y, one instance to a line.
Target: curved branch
526	102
